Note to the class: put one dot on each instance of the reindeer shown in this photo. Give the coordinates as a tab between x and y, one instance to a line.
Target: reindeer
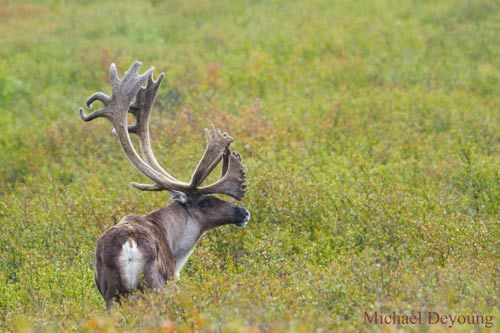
146	251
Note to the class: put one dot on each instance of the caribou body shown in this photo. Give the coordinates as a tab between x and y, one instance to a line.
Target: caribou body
146	251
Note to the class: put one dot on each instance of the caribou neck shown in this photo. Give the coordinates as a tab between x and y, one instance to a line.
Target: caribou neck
182	231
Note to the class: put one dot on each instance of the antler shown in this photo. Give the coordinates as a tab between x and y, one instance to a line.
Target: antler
141	109
217	143
116	109
232	182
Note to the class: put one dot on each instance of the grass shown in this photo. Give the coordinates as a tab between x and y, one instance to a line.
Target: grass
369	131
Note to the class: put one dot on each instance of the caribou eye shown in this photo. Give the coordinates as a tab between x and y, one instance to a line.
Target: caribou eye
205	203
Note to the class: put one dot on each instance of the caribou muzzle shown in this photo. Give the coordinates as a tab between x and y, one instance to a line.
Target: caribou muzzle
243	216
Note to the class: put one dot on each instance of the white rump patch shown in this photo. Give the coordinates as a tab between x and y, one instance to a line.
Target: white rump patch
131	264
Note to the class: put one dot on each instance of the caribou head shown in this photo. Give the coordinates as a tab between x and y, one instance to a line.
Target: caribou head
148	250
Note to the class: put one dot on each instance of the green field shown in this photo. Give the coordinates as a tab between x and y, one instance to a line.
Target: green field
369	132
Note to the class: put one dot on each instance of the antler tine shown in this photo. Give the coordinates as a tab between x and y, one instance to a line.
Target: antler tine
225	161
104	112
98	96
147	187
217	143
233	181
116	109
93	115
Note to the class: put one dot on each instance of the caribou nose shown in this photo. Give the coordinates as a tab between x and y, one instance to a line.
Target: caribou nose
244	217
246	213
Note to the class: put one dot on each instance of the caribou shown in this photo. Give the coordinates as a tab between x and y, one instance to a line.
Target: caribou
145	251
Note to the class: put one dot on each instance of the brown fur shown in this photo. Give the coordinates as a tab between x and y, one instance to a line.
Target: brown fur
150	238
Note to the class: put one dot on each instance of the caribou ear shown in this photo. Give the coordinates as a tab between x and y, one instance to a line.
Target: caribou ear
179	196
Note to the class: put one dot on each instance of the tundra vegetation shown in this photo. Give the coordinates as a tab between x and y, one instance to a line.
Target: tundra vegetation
369	132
